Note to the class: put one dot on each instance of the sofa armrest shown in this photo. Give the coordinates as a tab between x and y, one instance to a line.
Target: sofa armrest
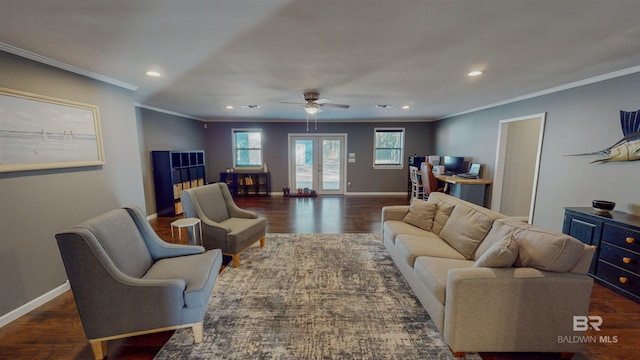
525	308
394	212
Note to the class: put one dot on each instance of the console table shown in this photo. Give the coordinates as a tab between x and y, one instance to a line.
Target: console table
471	190
616	263
247	183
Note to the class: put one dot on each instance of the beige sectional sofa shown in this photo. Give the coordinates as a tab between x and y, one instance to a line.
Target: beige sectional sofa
489	282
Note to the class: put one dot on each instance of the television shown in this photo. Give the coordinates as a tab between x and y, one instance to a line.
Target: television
453	164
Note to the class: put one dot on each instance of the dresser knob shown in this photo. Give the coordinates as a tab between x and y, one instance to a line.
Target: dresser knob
623	280
626	260
630	240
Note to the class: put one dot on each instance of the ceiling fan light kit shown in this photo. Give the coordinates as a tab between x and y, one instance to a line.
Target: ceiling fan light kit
311	108
313	104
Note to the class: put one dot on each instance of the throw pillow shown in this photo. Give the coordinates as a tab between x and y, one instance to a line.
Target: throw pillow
546	250
443	211
465	229
501	228
503	253
420	214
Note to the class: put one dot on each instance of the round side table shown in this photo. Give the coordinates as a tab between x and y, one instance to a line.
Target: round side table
187	222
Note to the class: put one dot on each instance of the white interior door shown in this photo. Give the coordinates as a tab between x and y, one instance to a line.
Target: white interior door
317	162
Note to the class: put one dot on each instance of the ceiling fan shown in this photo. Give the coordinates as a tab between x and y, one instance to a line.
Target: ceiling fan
314	103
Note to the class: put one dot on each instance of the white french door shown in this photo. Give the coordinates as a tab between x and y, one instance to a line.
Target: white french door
317	162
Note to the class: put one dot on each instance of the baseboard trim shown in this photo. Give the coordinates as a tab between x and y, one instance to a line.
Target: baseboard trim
405	194
33	304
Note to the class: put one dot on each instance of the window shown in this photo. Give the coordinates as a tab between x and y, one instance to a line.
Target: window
388	148
247	148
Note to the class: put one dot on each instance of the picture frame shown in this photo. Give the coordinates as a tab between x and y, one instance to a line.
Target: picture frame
39	132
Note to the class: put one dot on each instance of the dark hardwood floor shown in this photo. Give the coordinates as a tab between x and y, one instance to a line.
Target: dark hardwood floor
54	330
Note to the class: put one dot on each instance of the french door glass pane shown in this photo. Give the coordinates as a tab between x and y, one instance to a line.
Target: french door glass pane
330	164
304	163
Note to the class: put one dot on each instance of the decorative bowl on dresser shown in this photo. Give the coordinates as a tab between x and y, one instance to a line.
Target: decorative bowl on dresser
600	206
616	234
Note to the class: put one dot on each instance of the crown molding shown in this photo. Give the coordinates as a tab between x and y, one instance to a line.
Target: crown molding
572	85
64	66
168	112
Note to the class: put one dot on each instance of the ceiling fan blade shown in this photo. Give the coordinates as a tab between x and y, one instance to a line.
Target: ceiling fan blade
322	101
342	106
291	102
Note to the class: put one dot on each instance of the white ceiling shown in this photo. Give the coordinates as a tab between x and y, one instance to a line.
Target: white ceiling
214	53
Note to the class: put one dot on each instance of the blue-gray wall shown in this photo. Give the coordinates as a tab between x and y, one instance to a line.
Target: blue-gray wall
365	179
162	131
34	205
579	120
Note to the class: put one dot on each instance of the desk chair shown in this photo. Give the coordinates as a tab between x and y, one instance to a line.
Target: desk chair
430	182
417	188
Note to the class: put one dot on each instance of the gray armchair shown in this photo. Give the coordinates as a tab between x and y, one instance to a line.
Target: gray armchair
224	225
127	281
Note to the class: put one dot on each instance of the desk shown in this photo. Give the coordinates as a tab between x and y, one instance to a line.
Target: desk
187	222
471	190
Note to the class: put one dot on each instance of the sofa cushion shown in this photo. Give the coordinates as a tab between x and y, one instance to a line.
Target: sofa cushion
411	246
420	214
501	228
432	271
465	229
546	250
502	253
444	207
393	228
443	211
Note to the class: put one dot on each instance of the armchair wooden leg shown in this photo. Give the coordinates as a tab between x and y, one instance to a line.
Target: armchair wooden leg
262	241
198	332
236	260
99	348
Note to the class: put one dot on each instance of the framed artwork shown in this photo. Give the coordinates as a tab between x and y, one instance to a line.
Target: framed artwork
39	132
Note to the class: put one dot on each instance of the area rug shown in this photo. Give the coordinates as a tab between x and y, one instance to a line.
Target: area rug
313	296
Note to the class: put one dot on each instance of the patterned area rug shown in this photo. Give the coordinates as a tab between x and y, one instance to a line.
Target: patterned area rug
313	296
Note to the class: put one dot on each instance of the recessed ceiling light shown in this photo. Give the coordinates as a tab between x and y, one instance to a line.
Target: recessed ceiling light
384	106
153	73
406	107
475	73
229	107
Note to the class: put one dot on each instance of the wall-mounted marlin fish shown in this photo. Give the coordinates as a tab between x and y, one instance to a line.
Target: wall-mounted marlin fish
628	148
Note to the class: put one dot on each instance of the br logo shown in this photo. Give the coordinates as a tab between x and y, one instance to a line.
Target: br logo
583	323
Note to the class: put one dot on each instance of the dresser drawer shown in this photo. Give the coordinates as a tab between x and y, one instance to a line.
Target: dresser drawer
623	237
619	278
620	257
